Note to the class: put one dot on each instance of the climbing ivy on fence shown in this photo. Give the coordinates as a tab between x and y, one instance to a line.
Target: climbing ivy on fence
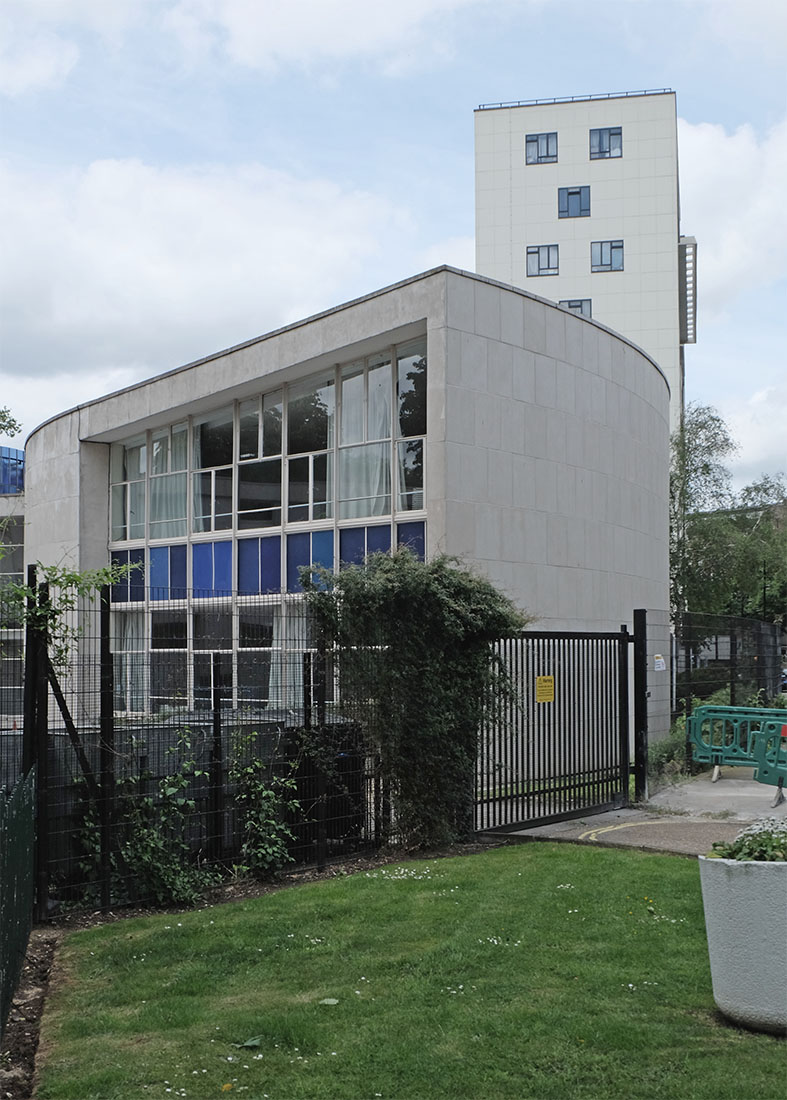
412	643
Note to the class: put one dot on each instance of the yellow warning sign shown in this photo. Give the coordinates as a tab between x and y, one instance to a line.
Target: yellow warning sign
545	689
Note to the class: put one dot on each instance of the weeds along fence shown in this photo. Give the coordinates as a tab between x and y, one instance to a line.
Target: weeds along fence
17	835
723	653
178	740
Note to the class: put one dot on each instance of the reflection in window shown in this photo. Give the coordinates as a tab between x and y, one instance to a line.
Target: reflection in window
366	400
259	494
411	389
169	449
260	435
310	412
310	488
213	500
411	474
213	440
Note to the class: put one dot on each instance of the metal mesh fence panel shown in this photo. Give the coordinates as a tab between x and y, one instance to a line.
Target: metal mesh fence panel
176	735
17	830
723	654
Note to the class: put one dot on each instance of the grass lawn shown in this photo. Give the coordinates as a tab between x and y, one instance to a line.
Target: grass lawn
536	971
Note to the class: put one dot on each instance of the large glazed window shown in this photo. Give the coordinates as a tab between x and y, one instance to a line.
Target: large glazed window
328	451
310	413
212	489
128	470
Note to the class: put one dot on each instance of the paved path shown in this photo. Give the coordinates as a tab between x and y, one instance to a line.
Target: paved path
685	818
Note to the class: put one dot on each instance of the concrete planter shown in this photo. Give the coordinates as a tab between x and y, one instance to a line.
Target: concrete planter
746	920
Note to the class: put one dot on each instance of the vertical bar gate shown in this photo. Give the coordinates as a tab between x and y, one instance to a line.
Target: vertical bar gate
555	743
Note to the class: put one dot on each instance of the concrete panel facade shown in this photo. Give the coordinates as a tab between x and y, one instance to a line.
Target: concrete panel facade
546	442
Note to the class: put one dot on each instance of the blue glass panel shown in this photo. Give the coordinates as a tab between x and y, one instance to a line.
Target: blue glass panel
177	572
202	568
222	567
119	593
298	554
270	564
352	545
136	579
378	539
159	572
322	548
412	536
248	567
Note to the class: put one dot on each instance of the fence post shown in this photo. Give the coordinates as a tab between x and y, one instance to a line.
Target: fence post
322	786
106	747
640	704
41	737
733	664
216	770
29	689
623	708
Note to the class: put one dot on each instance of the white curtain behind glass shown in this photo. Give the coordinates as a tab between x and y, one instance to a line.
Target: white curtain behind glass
168	506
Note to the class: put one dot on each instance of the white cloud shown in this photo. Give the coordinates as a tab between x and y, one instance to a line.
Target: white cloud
43	40
455	251
758	426
758	24
39	39
43	62
124	266
732	201
266	33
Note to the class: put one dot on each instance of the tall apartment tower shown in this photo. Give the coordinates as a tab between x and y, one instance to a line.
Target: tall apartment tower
577	200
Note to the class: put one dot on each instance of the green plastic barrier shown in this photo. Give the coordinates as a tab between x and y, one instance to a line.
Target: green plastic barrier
749	737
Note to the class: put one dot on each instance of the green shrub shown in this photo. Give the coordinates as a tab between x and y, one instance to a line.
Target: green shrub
765	841
411	641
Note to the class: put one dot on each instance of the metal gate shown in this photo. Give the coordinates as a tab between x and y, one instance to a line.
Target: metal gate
555	742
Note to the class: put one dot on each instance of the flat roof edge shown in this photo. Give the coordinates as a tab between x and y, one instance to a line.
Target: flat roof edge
572	99
293	326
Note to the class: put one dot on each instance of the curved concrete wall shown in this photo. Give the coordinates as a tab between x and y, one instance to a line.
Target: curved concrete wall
547	441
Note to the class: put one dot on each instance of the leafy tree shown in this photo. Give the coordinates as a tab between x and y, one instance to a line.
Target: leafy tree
412	644
723	547
9	425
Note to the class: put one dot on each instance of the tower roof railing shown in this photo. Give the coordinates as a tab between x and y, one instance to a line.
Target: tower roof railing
570	98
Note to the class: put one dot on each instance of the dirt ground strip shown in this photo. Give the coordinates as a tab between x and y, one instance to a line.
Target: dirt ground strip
20	1038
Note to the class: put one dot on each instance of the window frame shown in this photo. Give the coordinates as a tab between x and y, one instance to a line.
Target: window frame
565	195
534	141
614	246
606	152
577	306
537	250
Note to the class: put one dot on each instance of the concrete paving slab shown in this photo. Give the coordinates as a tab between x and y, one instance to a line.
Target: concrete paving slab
736	795
635	828
684	818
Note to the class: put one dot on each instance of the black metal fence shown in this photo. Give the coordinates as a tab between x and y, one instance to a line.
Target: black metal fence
17	835
148	727
556	743
737	657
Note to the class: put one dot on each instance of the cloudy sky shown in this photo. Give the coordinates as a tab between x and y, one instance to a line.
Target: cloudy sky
177	176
